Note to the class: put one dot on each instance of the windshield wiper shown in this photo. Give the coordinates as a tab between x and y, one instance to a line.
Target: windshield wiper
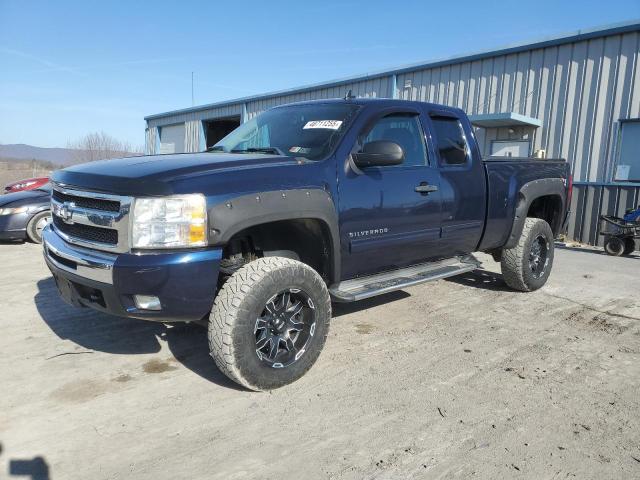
216	148
272	150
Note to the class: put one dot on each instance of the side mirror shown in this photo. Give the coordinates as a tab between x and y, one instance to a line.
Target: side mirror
378	154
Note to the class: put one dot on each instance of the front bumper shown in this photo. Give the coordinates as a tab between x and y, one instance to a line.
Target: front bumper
14	227
185	282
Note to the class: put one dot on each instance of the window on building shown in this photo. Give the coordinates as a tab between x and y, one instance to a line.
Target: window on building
405	130
172	138
510	148
628	164
450	141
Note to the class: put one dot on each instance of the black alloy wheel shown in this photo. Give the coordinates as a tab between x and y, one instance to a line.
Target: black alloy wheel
539	256
284	328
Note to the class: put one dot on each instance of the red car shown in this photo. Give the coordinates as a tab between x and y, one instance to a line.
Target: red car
26	184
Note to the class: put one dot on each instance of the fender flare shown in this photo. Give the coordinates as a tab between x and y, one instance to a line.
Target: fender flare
525	197
230	217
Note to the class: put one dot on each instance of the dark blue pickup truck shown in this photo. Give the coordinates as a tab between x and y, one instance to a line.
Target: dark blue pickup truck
305	204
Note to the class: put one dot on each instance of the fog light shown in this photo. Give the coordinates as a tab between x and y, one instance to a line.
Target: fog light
147	302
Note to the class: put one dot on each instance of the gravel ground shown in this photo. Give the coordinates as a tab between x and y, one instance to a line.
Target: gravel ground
454	379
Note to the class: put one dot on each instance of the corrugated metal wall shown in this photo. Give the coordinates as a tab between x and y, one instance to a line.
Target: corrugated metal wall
373	88
194	141
578	89
591	201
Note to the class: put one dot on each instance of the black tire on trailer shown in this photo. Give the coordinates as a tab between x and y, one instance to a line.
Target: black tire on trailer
269	323
614	246
36	225
527	265
629	246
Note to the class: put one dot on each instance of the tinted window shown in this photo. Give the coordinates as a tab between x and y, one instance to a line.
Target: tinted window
404	130
450	142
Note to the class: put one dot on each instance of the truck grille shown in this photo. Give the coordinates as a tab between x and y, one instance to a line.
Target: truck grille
86	202
86	232
90	219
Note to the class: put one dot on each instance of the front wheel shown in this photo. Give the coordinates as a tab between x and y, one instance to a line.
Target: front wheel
526	266
36	225
269	323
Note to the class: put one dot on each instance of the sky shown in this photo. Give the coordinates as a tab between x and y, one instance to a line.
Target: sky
68	68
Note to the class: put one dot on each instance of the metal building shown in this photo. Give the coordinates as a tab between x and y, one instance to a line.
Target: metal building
576	96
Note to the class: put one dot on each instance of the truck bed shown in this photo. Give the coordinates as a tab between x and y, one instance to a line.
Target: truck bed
505	177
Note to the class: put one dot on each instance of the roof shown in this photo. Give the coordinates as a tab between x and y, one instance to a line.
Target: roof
504	119
578	35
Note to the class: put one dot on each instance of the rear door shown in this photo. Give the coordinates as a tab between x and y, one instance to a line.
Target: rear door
462	181
385	222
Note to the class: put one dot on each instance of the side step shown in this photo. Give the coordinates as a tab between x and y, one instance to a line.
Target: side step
365	287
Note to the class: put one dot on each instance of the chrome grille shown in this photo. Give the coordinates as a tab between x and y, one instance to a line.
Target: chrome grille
86	202
90	219
108	236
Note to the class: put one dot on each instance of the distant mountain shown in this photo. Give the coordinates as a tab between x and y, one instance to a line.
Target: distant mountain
59	156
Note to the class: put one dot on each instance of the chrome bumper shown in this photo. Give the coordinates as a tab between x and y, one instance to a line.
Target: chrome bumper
79	261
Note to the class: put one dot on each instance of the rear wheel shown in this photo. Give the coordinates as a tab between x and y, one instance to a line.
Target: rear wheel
629	246
614	246
527	266
36	226
269	323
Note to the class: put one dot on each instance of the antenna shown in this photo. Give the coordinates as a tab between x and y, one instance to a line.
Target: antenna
349	95
192	101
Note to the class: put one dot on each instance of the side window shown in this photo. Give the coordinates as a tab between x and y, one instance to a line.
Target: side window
450	142
405	130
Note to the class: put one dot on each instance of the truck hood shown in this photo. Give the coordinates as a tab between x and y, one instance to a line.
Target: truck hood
154	175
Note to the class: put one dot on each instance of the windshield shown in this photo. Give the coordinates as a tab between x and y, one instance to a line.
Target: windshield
310	131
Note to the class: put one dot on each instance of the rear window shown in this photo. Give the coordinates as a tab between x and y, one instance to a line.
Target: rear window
450	141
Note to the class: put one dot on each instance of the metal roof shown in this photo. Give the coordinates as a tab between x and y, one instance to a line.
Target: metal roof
585	34
505	119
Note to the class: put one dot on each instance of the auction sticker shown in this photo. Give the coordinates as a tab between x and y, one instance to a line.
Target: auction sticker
329	124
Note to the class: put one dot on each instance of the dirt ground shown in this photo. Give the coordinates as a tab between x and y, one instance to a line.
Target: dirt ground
454	379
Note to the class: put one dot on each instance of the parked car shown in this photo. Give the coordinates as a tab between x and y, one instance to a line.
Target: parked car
26	184
25	214
306	203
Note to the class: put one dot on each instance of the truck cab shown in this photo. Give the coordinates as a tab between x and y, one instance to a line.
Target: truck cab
305	204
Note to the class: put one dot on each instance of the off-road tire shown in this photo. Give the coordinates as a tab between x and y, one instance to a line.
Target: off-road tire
614	246
33	231
629	246
515	261
240	302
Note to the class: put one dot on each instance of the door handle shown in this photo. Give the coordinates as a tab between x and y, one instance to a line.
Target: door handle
425	189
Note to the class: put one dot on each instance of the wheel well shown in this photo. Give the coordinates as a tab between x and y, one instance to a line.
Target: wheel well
548	208
308	238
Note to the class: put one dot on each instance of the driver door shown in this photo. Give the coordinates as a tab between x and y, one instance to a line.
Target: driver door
388	218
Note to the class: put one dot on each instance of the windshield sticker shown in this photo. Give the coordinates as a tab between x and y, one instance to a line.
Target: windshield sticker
329	124
299	150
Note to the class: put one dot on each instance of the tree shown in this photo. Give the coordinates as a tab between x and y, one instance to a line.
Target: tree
101	146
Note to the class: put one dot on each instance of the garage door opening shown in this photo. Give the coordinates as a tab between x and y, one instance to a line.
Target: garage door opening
216	130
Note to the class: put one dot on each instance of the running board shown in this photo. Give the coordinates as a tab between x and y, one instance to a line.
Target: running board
365	287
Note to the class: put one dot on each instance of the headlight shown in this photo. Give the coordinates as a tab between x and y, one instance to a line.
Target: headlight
13	211
169	222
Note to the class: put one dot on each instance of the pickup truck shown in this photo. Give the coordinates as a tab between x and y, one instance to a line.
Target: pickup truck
305	204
